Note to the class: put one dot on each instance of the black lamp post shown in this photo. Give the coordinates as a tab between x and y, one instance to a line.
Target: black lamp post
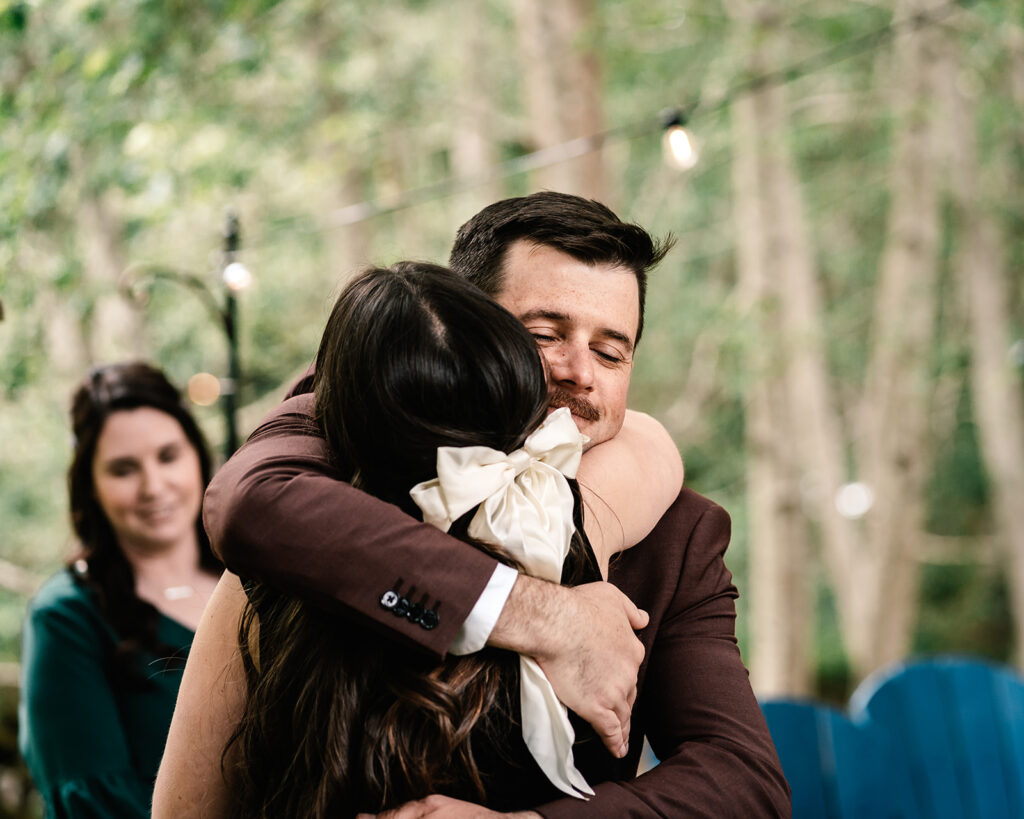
229	392
234	278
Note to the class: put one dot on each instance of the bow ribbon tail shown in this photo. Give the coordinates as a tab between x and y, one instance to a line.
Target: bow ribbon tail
548	732
429	496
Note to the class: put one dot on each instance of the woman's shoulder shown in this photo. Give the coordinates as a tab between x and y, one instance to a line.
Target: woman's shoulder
62	599
61	587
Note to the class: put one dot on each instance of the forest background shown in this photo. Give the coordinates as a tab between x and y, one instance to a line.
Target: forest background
836	342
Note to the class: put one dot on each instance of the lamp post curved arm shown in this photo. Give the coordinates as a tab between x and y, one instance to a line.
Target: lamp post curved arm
137	272
225	314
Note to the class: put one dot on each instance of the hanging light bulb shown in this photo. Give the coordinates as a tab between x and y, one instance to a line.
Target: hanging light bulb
680	152
237	277
203	389
854	500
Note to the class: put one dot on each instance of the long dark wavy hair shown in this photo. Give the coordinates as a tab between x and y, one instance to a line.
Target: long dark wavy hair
337	720
100	562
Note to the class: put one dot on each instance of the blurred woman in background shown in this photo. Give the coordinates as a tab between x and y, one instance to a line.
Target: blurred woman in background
105	639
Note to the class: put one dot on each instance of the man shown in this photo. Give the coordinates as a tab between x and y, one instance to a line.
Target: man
576	276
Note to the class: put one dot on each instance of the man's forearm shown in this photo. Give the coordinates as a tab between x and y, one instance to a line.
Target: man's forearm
530	620
583	639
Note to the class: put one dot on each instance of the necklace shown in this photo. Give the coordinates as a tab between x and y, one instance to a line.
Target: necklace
178	592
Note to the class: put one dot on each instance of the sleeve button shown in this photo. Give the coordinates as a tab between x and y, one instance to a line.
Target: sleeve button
415	614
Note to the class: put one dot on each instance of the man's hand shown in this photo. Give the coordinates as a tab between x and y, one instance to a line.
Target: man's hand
444	807
583	639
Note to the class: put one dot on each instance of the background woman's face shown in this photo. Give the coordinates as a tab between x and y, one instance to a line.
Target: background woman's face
147	479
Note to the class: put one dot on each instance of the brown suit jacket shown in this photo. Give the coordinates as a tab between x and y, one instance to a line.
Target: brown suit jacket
694	701
277	511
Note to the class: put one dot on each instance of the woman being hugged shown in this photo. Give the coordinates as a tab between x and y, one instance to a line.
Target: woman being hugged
105	639
433	397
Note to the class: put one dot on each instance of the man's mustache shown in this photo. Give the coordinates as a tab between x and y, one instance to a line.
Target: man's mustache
577	406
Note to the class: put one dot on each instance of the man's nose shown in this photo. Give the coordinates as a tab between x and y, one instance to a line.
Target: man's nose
573	366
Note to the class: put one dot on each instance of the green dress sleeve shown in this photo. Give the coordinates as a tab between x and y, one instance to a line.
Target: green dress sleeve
72	732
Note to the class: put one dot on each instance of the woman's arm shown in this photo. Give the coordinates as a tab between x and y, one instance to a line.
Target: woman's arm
628	483
210	703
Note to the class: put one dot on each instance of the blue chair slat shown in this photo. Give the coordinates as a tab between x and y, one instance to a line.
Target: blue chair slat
871	783
951	722
794	730
835	769
1009	692
973	707
909	707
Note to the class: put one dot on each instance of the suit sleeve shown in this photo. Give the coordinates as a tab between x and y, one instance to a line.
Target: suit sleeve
279	512
697	707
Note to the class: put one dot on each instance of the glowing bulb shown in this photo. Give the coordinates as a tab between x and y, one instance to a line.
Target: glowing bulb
679	149
854	500
237	277
203	389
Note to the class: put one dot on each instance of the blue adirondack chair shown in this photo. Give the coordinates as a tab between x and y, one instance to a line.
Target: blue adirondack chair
836	769
958	727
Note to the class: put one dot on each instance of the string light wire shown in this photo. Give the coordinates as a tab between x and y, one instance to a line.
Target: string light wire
580	146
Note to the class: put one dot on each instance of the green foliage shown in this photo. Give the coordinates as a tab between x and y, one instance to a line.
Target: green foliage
957	497
163	115
965	609
833	679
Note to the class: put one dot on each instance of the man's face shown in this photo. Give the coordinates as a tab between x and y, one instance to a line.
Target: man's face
585	319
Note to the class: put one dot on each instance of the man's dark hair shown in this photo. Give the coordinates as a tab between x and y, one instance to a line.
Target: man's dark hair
582	228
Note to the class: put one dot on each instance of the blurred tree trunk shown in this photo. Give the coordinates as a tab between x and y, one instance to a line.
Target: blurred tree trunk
996	386
473	146
113	328
561	72
585	95
349	242
64	344
814	422
893	415
996	390
874	578
66	348
780	558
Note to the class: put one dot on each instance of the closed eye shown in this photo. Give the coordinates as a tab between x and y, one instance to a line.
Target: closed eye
610	356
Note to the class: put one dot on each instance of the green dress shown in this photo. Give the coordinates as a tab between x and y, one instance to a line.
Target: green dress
92	742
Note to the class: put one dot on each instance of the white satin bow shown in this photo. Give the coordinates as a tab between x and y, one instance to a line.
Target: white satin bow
526	508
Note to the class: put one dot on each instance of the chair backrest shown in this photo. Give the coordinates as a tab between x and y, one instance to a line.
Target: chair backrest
958	729
835	768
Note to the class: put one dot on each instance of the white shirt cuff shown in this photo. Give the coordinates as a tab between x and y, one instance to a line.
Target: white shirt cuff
480	623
